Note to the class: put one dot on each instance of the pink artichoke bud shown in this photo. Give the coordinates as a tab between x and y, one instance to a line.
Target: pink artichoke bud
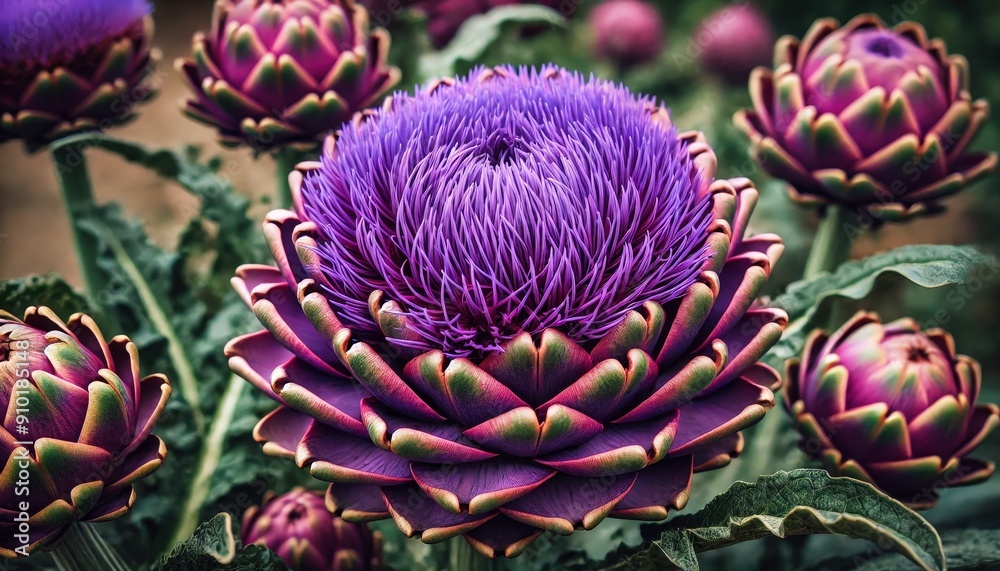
732	41
627	32
70	67
298	527
871	118
275	73
77	431
891	405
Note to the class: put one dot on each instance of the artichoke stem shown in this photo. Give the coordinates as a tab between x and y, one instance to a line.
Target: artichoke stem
71	170
285	160
832	245
465	558
82	549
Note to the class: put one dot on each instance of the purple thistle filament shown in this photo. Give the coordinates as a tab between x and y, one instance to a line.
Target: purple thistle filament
533	199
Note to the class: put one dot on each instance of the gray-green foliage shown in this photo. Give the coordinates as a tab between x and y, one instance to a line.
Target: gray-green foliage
785	504
216	545
928	266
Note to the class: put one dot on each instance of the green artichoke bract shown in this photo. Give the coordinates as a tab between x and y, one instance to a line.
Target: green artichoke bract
77	428
273	73
891	405
302	531
874	119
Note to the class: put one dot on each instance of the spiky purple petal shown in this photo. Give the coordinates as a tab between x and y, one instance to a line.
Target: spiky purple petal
533	201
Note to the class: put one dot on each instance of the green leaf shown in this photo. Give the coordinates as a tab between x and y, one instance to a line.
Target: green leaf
211	455
157	314
479	33
785	504
928	266
216	545
965	550
19	294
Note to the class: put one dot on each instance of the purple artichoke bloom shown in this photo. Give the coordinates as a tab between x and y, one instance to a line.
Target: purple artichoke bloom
77	429
515	302
627	32
298	527
72	67
275	73
732	41
891	405
871	118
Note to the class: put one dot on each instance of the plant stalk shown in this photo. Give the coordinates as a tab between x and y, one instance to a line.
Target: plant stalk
464	558
208	462
832	245
285	160
81	548
179	357
78	196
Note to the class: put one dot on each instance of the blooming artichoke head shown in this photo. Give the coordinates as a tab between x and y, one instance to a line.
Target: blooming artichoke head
275	73
298	527
76	428
891	405
627	32
514	302
68	67
734	40
872	118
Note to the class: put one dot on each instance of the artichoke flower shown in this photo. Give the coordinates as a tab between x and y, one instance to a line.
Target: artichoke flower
517	301
891	405
274	73
627	32
298	527
77	427
873	119
73	67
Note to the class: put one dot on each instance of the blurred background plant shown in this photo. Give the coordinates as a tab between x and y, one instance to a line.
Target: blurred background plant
35	239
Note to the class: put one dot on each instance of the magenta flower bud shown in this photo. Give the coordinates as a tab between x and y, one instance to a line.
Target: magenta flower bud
891	405
472	321
627	32
77	430
872	118
732	41
298	527
70	67
273	73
